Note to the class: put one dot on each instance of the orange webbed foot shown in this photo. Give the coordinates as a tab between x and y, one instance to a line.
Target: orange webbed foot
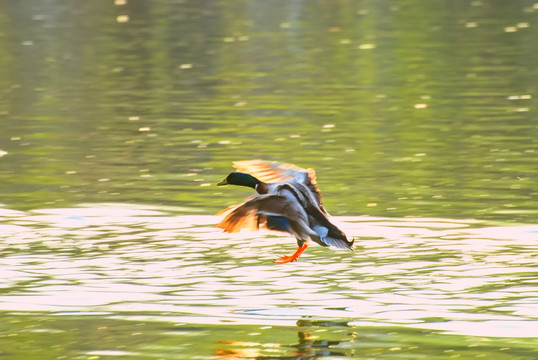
285	259
289	258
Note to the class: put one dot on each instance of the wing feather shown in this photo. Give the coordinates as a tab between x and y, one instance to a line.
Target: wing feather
268	171
260	211
275	171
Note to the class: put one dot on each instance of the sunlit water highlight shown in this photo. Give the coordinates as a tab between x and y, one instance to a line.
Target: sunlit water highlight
147	264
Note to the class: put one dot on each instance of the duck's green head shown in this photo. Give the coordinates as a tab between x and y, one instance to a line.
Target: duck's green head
241	179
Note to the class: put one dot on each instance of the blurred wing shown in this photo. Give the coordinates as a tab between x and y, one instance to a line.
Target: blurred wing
237	217
268	171
276	171
273	212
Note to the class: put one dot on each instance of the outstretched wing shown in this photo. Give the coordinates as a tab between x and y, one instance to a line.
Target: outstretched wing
268	171
273	212
276	171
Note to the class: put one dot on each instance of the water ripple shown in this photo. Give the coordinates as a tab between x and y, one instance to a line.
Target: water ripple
460	277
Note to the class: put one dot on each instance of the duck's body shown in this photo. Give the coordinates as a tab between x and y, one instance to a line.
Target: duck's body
288	200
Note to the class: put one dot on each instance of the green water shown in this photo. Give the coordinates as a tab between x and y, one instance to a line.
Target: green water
117	120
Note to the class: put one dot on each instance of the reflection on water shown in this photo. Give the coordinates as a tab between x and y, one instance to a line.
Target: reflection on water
416	286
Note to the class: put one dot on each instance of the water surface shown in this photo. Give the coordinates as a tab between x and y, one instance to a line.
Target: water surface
135	282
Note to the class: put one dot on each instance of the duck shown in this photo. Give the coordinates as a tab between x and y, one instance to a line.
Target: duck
288	200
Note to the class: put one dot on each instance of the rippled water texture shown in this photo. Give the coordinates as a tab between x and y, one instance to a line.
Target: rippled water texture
104	277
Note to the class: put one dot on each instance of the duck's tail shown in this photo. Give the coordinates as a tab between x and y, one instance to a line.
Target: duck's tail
333	237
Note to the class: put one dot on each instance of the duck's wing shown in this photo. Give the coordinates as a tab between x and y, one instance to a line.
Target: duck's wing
281	213
268	171
275	171
272	212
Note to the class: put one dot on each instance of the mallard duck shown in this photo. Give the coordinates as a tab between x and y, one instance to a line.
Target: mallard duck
288	200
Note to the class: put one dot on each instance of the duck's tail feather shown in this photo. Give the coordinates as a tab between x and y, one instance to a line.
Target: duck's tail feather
338	243
332	238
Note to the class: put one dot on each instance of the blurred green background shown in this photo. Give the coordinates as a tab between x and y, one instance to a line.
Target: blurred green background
404	108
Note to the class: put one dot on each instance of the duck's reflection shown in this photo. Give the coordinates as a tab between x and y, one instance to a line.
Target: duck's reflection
306	347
